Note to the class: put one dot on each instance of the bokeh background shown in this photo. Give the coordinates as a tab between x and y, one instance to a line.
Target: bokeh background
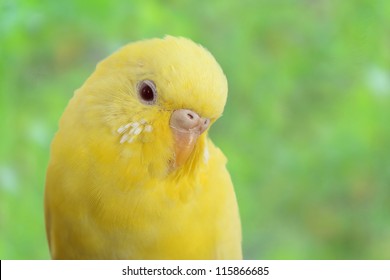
306	128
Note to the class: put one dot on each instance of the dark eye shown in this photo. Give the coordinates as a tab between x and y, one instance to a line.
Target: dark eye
147	92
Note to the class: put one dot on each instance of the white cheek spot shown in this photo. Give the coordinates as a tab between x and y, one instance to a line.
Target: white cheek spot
124	138
123	128
132	130
134	124
136	129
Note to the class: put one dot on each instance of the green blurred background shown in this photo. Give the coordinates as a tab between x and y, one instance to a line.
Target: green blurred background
306	128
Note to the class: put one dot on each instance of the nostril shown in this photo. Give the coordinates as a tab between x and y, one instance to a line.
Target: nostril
185	119
206	121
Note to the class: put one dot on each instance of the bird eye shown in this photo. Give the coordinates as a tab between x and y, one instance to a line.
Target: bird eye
147	92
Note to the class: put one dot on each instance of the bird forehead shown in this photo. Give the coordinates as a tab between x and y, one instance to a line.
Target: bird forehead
197	93
190	76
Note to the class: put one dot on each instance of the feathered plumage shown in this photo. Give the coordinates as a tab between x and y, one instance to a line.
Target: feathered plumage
132	173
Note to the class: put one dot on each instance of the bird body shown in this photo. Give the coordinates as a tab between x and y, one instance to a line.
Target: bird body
132	172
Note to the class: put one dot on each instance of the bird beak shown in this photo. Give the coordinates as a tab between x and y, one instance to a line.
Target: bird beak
186	126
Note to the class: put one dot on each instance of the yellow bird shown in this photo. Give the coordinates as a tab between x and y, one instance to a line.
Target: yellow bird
132	172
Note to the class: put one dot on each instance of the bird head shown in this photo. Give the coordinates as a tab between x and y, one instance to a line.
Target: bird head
150	105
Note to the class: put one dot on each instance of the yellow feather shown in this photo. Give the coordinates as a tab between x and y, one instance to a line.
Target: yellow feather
111	192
